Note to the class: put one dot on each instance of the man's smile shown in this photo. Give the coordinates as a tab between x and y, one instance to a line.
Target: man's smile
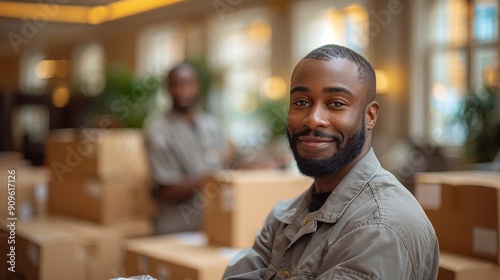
315	142
316	147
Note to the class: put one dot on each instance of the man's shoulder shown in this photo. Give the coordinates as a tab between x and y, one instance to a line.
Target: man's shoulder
397	206
156	123
159	127
209	118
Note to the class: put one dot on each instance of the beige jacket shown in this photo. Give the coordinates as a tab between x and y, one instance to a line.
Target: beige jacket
370	227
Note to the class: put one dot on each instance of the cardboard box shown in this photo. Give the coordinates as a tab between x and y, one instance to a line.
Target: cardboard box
459	267
60	248
103	246
176	256
96	152
238	203
134	228
105	200
28	187
464	209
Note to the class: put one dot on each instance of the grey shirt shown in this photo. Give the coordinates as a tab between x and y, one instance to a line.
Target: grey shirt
176	150
370	227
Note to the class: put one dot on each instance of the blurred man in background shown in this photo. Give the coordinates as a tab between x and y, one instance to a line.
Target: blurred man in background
357	221
184	147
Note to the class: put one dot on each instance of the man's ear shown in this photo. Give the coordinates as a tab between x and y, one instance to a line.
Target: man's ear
371	115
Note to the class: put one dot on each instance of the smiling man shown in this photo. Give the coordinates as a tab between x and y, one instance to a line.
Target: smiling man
356	221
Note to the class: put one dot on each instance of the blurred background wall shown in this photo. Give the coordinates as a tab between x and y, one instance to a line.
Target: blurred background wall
68	63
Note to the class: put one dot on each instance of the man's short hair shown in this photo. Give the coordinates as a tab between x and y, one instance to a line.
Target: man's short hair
178	66
365	69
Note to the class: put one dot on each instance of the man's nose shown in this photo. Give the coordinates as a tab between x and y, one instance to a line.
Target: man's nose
317	116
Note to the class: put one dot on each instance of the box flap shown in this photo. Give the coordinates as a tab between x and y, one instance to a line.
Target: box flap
46	233
469	177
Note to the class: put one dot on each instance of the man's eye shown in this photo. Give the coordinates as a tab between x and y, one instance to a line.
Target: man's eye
337	104
301	103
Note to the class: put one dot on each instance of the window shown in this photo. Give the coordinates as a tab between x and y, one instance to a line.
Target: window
159	49
240	53
317	23
461	47
90	72
32	79
31	122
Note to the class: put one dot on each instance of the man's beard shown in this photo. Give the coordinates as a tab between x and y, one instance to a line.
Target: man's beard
317	168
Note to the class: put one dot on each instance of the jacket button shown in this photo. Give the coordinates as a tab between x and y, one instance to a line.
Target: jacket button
306	220
286	274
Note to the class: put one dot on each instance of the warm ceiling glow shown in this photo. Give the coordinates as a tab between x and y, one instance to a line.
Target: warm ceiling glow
99	14
41	12
60	96
275	88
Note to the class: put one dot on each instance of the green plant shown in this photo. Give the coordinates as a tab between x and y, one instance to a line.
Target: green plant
273	114
480	115
125	97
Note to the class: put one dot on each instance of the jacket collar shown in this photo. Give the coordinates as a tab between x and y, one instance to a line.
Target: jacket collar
340	198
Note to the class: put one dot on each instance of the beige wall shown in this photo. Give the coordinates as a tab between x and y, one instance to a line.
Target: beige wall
390	51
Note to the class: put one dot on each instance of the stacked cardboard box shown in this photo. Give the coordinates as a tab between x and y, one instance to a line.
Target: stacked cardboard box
460	267
231	221
99	175
176	256
25	189
59	248
238	202
464	208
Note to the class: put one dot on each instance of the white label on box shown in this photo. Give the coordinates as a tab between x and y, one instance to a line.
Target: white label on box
93	189
484	241
226	199
25	211
41	192
192	238
428	195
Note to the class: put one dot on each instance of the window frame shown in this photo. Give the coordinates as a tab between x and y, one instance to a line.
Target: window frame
420	119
